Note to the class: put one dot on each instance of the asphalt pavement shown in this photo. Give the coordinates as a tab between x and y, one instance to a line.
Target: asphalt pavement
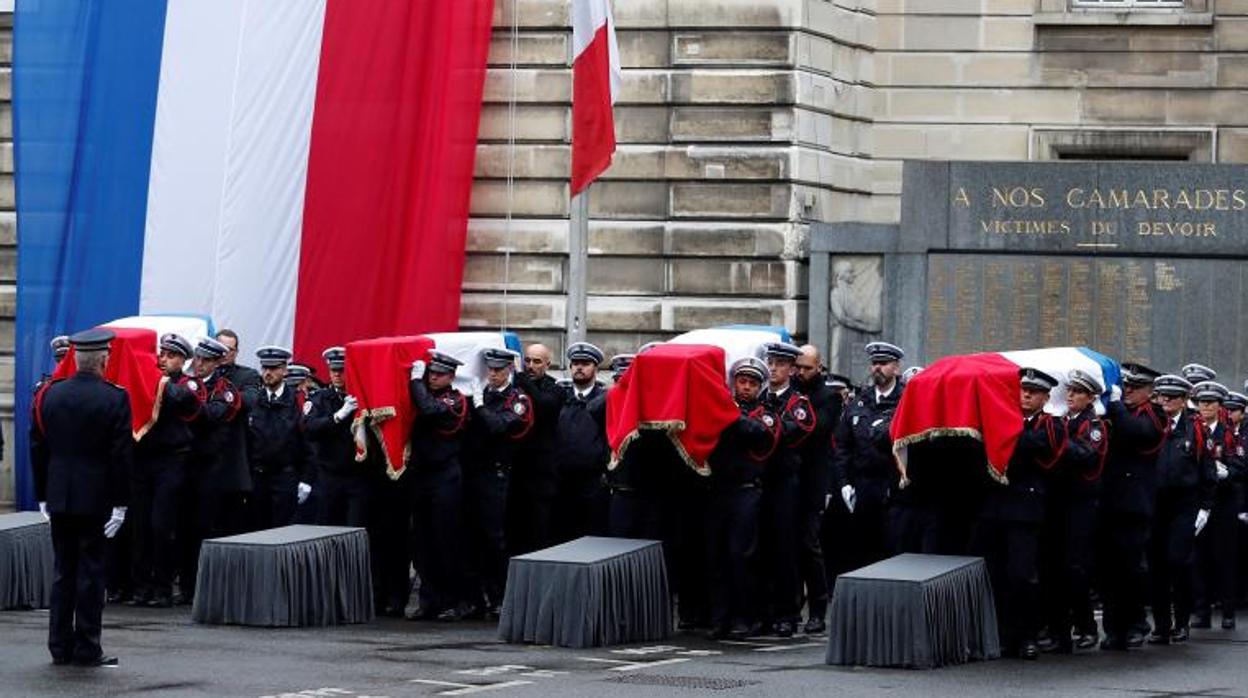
164	654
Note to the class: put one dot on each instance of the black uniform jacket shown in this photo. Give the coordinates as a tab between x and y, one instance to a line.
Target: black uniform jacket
82	446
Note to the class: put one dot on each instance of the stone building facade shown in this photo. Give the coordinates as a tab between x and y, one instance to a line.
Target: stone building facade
742	122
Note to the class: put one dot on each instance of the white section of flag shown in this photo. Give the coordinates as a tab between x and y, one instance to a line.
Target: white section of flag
229	163
588	16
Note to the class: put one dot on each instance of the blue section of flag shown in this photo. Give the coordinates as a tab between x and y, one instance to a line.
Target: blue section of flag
1111	373
85	76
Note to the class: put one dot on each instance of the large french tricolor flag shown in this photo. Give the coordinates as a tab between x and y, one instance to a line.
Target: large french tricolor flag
596	79
977	396
297	170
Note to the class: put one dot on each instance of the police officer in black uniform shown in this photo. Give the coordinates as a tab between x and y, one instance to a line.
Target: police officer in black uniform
1216	549
1129	483
442	415
341	483
581	451
276	450
533	480
1186	477
815	482
160	474
81	456
1008	531
732	521
1071	516
864	472
60	347
782	497
502	417
207	488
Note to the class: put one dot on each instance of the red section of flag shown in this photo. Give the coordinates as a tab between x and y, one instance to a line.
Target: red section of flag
593	122
394	132
974	395
677	388
378	373
131	365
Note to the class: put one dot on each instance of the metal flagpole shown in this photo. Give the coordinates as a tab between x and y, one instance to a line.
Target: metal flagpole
578	255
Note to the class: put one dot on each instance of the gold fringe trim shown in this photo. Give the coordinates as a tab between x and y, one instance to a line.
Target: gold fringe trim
160	396
671	428
374	418
935	433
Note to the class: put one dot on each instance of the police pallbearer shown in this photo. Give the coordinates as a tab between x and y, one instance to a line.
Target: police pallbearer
1008	532
864	471
205	491
1129	484
1216	549
438	481
502	416
341	482
732	521
1071	517
81	456
1186	477
781	505
160	474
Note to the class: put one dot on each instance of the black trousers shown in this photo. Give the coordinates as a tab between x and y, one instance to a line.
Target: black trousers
581	505
636	514
77	587
732	541
389	530
485	514
1068	554
692	585
1170	560
1011	550
154	513
780	530
1217	560
437	522
197	520
342	499
274	495
1123	570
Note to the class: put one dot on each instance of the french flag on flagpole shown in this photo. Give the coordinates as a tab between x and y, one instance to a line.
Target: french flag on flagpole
596	78
296	170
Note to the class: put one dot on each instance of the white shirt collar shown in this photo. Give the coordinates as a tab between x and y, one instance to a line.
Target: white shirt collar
274	394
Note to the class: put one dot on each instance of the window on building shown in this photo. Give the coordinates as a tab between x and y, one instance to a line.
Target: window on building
1192	145
1127	4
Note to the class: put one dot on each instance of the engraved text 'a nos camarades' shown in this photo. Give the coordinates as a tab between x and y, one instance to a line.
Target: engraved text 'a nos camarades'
1098	212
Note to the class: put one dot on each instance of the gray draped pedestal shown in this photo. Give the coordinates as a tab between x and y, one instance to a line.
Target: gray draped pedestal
588	593
914	611
289	576
26	561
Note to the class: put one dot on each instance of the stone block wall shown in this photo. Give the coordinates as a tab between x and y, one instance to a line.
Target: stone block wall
740	121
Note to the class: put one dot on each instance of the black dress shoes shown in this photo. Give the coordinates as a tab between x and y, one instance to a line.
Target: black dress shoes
1028	650
1179	635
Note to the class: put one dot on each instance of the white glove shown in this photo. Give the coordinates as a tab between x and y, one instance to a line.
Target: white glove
827	501
418	370
850	496
349	403
1223	473
1202	518
1243	517
478	394
302	492
1115	394
114	522
43	509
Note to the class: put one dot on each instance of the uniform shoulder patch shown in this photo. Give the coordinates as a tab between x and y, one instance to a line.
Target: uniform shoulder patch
307	408
800	413
1095	435
192	385
519	408
769	420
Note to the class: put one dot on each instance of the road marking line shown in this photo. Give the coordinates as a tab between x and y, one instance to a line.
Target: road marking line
633	666
463	689
745	643
785	648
